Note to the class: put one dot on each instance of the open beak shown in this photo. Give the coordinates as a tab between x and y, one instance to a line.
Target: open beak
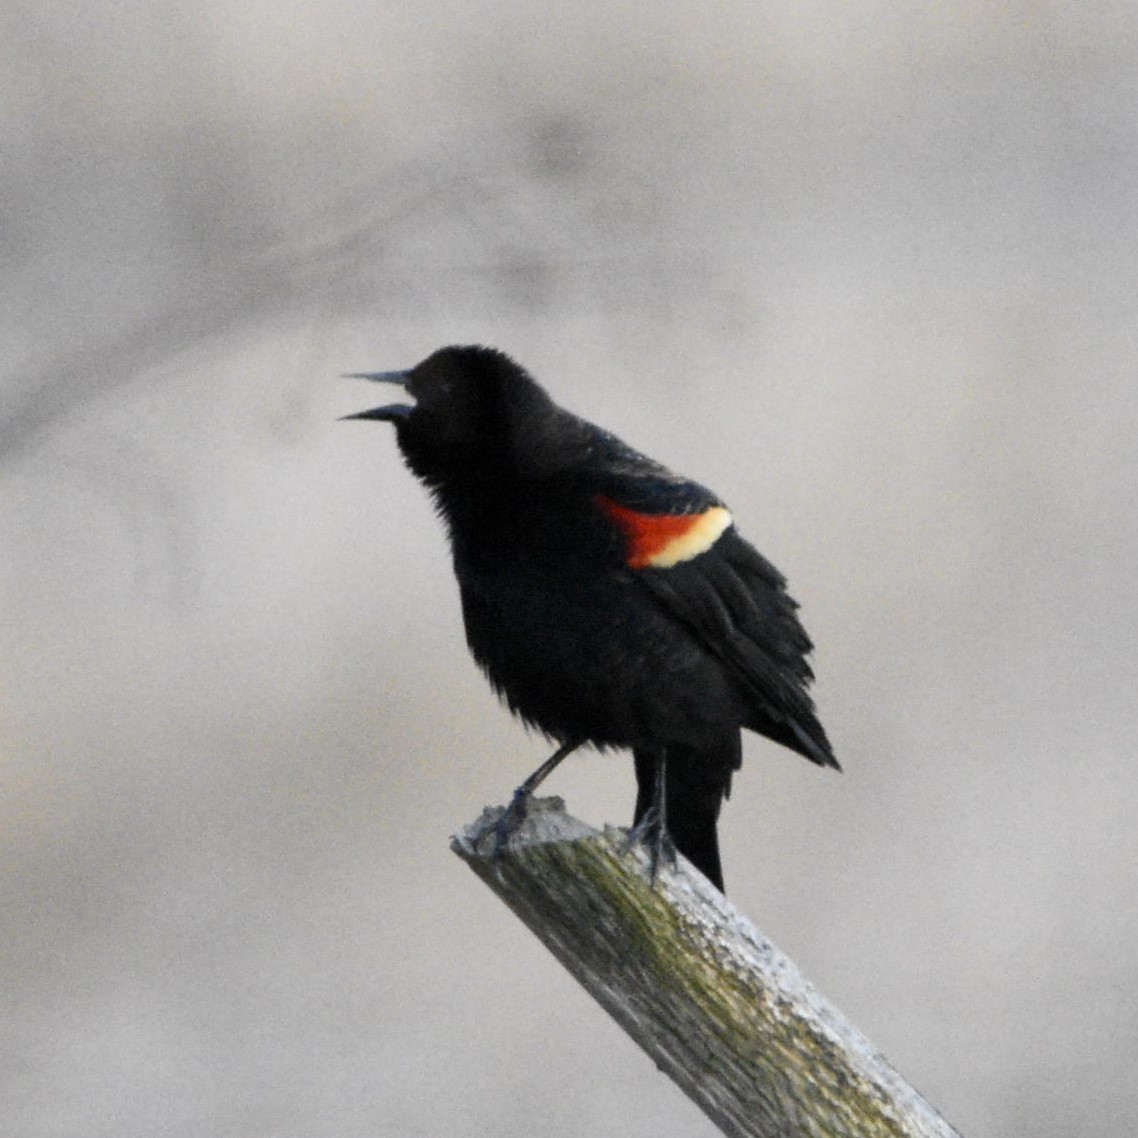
391	412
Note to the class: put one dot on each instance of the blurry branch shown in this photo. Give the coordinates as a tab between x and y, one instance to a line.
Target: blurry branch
717	1007
244	278
363	249
71	379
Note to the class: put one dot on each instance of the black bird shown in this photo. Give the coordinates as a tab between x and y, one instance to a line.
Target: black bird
608	600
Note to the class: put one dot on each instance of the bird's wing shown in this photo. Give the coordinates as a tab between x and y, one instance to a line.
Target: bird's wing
680	543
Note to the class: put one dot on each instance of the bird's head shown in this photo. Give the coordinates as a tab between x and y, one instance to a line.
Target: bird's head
474	407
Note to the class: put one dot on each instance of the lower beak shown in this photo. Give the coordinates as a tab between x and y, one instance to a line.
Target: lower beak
388	414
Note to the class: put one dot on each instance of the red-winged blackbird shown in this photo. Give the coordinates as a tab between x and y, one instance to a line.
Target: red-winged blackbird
608	600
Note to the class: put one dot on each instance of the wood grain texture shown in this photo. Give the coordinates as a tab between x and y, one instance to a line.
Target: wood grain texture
717	1007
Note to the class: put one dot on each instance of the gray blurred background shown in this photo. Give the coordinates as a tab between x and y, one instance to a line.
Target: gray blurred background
868	270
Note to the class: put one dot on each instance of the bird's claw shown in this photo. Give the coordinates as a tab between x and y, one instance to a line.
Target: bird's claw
657	841
510	820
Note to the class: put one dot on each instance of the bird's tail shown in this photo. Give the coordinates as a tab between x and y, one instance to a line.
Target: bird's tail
696	780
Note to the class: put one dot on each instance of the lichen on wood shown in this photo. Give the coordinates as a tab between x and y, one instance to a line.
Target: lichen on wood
713	1002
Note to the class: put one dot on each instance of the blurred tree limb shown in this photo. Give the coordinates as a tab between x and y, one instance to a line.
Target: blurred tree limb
718	1008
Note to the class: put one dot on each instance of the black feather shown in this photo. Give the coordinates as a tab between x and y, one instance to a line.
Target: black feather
595	621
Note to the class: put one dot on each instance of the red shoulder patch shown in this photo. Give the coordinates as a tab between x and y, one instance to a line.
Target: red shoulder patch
659	541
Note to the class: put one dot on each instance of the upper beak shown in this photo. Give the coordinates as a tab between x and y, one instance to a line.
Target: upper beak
390	412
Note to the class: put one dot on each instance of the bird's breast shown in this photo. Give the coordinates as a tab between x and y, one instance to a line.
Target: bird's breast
579	648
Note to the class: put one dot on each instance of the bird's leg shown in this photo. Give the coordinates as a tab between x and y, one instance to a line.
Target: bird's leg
652	829
514	814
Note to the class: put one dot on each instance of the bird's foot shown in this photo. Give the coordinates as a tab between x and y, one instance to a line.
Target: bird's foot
655	838
511	819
